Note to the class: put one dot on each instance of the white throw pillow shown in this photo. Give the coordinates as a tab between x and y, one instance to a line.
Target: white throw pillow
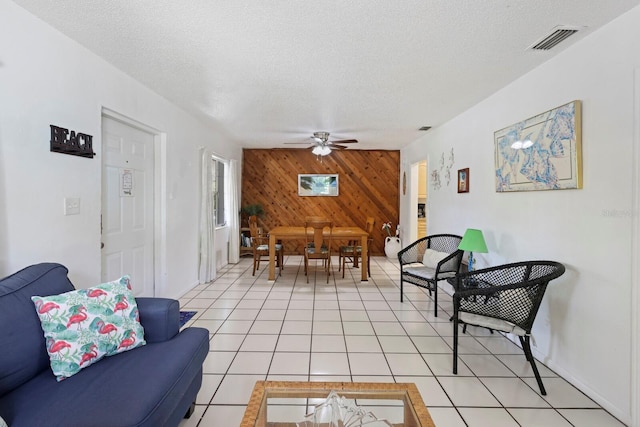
432	257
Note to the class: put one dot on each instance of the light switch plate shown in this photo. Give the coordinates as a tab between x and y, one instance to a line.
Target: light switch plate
71	205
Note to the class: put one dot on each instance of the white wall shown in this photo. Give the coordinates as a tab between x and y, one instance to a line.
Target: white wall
583	329
46	78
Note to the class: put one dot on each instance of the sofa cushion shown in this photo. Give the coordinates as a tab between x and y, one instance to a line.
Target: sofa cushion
431	257
423	272
491	323
23	353
81	327
142	387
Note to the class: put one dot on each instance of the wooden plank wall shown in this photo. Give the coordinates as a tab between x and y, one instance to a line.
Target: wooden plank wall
368	186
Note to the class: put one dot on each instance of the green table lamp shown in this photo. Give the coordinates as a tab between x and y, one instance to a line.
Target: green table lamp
473	241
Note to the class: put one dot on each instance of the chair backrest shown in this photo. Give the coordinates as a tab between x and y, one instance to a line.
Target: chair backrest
511	292
257	239
439	242
253	226
308	219
443	242
315	233
369	225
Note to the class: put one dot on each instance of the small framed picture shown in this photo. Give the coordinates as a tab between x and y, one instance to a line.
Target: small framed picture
463	180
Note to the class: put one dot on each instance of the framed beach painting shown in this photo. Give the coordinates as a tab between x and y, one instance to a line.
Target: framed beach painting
543	152
318	184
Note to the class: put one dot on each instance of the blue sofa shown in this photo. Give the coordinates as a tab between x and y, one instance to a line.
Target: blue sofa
152	385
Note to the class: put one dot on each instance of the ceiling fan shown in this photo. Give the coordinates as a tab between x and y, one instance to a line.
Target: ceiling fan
321	146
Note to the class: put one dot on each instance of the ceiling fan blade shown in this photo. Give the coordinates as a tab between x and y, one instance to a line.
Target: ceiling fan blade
345	141
299	143
339	147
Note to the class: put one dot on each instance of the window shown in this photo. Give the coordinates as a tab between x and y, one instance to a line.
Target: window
219	172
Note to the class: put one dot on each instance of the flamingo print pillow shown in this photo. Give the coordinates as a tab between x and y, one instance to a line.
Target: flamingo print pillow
83	326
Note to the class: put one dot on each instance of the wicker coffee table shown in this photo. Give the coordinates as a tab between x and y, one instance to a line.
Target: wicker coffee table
283	403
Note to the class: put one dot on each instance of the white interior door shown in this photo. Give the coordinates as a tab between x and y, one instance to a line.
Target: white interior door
127	205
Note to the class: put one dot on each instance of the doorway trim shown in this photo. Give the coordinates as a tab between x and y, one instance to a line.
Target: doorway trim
414	197
413	203
159	196
635	257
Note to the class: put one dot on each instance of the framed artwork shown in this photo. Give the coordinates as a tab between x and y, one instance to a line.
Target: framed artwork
318	184
463	180
404	183
543	152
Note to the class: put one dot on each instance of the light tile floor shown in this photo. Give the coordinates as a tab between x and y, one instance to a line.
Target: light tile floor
350	330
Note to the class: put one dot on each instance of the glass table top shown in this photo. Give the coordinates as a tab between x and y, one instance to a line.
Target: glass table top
306	404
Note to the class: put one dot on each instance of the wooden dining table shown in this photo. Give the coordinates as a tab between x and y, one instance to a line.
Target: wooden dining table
284	232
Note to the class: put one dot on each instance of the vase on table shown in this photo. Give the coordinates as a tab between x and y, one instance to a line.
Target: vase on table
392	246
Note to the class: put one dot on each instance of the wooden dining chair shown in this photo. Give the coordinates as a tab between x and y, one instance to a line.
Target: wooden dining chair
353	250
260	245
318	247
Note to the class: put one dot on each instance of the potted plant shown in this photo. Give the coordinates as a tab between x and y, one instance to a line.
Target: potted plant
254	209
392	244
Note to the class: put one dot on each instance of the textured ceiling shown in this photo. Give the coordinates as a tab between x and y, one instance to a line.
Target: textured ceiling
274	71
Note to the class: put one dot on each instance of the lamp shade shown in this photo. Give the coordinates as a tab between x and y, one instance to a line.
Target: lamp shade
473	241
321	150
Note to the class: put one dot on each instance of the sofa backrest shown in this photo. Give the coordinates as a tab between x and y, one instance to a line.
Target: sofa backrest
23	353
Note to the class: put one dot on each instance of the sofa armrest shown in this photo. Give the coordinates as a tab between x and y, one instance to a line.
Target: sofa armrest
160	318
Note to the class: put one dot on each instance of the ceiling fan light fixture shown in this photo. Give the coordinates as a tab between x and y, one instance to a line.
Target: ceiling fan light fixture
321	150
321	136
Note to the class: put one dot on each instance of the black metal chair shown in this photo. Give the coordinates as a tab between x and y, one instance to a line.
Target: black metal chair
428	260
503	298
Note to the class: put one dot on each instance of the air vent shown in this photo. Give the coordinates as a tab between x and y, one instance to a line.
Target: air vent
425	128
558	35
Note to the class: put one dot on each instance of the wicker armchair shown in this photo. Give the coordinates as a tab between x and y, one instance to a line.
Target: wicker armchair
504	298
429	260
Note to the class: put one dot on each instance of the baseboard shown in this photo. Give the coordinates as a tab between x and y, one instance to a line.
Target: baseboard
592	394
188	289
